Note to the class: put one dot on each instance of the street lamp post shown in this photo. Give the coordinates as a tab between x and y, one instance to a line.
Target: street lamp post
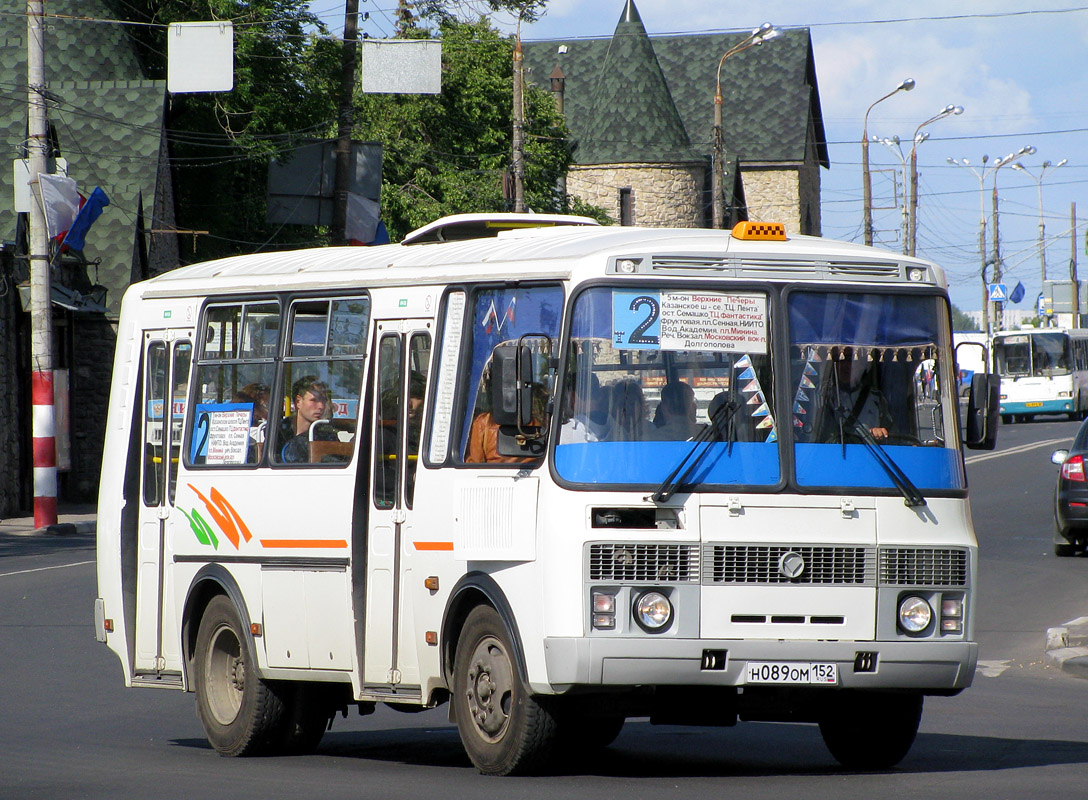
981	175
919	137
1042	223
763	33
1026	150
866	183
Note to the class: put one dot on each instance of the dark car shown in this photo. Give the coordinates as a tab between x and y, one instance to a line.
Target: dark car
1071	496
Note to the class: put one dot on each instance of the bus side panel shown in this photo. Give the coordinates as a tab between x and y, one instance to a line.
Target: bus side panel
119	490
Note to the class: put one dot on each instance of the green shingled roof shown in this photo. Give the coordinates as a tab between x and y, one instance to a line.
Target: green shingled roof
109	124
634	113
770	94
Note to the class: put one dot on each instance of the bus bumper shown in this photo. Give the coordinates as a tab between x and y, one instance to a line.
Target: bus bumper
937	666
1060	406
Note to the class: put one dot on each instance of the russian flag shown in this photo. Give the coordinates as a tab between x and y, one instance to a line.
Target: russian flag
89	211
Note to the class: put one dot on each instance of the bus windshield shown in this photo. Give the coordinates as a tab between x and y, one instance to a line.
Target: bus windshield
657	376
1037	354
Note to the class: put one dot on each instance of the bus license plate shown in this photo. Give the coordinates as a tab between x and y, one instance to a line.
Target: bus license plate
792	672
1034	405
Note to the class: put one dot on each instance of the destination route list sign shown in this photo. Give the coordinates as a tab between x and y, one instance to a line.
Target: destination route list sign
651	320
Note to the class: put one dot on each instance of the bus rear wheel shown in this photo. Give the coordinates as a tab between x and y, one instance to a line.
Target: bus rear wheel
504	729
871	730
241	713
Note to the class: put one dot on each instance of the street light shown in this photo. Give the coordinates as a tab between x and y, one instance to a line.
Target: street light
947	111
1042	224
1026	150
894	145
866	184
981	175
763	33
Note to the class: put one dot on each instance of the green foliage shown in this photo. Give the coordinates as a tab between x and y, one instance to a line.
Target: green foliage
220	143
450	153
961	321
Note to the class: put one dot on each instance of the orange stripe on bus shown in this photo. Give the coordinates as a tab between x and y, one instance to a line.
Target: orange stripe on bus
434	545
323	543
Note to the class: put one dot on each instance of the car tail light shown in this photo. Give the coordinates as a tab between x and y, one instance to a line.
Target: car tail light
1073	469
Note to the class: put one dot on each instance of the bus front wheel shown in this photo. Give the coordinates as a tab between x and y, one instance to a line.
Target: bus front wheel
871	730
504	729
240	712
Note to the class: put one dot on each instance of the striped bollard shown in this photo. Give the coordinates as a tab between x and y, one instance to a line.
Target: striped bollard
45	450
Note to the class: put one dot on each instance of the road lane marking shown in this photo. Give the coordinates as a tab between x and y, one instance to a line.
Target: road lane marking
43	569
991	669
1014	450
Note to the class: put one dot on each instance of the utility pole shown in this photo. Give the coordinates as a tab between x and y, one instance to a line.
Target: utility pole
345	123
518	158
1073	263
41	306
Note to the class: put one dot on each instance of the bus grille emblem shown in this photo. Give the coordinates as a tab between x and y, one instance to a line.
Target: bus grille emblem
791	565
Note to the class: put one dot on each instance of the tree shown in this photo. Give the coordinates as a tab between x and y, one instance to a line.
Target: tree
450	153
961	321
220	143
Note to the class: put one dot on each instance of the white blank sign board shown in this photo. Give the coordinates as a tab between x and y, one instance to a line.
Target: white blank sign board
401	66
200	57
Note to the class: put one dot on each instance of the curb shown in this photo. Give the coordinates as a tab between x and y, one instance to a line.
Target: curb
1067	647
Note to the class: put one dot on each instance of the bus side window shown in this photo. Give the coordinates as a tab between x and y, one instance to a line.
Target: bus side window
322	378
507	316
419	356
235	365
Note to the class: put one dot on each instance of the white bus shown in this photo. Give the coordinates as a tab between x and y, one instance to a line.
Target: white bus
1043	371
558	478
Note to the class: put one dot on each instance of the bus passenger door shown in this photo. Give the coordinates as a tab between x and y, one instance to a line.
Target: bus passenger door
167	355
403	356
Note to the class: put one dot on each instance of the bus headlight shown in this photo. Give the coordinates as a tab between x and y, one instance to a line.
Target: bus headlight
915	614
653	612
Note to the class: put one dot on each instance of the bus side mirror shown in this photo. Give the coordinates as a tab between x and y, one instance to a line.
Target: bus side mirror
511	382
983	411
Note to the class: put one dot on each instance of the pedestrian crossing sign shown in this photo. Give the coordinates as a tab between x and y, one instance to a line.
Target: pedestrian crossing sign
999	293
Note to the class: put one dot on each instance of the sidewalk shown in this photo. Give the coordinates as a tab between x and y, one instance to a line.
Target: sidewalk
1067	647
71	520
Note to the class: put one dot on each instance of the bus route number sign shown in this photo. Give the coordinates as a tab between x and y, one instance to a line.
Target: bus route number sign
792	672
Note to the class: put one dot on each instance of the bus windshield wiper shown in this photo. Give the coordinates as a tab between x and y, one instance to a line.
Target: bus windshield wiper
719	422
912	498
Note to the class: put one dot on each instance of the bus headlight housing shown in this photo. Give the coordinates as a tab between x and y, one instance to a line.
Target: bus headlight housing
915	614
653	612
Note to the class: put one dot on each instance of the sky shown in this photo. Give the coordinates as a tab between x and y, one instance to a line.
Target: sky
1016	68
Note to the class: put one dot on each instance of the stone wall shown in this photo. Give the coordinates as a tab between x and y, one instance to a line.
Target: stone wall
89	387
662	196
772	196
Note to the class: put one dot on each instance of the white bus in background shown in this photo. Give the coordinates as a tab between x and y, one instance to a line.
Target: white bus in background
565	476
1042	371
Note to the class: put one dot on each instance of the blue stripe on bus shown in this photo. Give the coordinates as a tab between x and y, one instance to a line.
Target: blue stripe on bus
749	463
826	465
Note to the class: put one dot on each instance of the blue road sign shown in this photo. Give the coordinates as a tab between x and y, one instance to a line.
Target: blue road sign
999	293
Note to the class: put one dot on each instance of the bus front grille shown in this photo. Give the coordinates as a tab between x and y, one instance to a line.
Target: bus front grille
644	563
923	566
834	565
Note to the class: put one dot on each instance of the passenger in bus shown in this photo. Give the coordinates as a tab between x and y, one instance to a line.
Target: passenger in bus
674	419
586	416
626	412
310	398
850	395
483	437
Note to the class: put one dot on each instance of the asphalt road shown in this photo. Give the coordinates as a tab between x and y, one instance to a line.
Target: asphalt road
69	730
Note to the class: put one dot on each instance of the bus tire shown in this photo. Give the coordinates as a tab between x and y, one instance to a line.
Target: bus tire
241	714
504	729
871	730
